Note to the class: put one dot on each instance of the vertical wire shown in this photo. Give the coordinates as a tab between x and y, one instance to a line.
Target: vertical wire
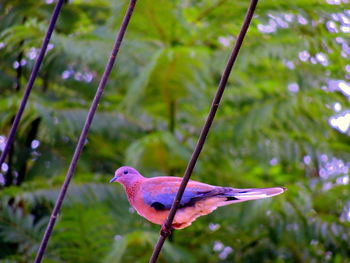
31	80
166	228
85	130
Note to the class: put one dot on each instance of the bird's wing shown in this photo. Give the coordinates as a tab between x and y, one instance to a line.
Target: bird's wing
160	192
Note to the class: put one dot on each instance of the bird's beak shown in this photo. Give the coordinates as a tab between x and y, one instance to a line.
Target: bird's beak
113	179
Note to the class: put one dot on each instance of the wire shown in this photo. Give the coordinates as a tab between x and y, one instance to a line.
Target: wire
166	228
84	132
31	81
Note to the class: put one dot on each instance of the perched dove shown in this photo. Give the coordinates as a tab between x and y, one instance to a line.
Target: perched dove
152	197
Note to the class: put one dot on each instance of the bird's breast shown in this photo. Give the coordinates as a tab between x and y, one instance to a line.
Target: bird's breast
149	212
131	192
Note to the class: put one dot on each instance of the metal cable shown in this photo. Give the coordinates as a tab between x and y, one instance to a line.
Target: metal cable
166	228
31	81
85	130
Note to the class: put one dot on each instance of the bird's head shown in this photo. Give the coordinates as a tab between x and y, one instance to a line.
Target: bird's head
125	174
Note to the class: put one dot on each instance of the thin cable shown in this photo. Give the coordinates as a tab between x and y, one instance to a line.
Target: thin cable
84	132
31	80
166	228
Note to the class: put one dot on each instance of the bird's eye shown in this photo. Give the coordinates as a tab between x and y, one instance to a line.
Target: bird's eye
126	172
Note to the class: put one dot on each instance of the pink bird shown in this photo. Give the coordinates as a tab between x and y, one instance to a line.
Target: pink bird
152	197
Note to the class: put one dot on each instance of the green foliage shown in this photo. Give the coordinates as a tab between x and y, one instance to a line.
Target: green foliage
156	100
21	230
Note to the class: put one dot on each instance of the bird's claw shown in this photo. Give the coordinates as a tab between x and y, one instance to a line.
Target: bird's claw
165	232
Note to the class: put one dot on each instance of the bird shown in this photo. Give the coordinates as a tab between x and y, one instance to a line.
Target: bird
152	198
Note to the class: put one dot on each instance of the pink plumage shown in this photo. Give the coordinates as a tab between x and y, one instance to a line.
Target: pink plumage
152	197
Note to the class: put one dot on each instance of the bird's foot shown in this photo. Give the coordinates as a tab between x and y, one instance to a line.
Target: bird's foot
165	232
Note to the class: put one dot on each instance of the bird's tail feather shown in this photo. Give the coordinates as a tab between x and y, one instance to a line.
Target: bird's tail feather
241	195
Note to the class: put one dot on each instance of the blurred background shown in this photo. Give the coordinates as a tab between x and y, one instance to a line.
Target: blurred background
284	121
